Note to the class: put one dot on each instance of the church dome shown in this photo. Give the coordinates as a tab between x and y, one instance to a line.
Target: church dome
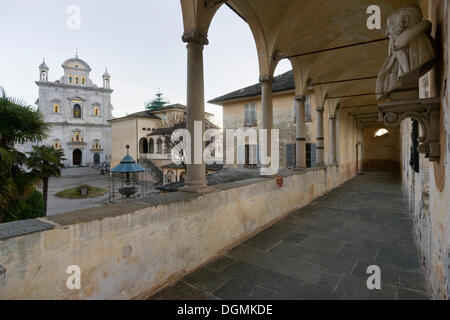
76	63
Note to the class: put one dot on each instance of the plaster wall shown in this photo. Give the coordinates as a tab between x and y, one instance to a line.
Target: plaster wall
127	250
428	191
381	152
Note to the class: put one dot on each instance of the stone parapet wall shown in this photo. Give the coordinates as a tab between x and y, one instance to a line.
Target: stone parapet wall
127	250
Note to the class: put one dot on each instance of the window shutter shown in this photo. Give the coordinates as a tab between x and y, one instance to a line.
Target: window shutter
253	113
241	156
313	155
246	114
258	157
253	157
290	155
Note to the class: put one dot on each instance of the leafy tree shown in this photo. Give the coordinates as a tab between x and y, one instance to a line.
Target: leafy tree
29	207
19	123
45	162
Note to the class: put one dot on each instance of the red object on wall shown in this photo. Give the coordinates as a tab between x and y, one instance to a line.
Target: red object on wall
279	181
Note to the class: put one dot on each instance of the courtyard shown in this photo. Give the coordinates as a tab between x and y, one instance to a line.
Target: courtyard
70	178
321	251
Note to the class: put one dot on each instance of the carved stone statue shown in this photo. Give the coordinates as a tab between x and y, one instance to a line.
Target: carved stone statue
412	51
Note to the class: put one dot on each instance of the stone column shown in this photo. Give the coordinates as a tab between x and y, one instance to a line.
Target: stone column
332	139
320	148
267	108
195	100
300	143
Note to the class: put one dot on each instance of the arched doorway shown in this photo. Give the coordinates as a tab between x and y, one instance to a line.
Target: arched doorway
170	176
183	176
96	158
76	157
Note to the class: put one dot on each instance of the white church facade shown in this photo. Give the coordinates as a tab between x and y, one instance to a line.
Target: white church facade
77	112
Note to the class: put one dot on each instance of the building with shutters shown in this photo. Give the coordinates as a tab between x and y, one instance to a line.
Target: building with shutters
242	109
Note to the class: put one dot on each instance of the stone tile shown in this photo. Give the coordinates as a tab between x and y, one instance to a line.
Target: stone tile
296	237
238	289
413	280
220	263
287	286
288	266
404	294
355	288
359	251
332	262
269	237
398	257
22	227
180	291
322	244
292	250
206	279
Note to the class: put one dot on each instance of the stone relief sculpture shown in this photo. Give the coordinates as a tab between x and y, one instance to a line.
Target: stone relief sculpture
412	51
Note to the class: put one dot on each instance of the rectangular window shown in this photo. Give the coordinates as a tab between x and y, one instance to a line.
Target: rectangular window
250	115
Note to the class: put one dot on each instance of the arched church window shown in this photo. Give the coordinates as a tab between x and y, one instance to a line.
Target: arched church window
77	79
56	108
83	80
96	111
70	78
77	111
159	146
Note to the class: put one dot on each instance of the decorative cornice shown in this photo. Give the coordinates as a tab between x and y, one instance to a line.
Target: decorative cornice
72	86
195	37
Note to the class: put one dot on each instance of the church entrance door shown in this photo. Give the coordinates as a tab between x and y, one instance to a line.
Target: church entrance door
96	158
76	157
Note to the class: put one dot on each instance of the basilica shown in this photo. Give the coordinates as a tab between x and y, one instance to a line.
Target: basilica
77	112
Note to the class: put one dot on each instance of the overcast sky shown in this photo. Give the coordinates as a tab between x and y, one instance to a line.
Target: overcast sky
139	41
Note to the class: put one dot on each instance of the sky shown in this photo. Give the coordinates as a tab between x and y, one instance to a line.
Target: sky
139	41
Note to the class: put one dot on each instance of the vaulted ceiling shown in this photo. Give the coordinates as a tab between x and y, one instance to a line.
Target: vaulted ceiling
327	41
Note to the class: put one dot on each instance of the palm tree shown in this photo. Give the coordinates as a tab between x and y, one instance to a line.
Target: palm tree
45	162
19	123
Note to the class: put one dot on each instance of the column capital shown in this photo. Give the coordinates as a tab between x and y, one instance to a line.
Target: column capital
195	37
332	117
320	109
265	79
300	97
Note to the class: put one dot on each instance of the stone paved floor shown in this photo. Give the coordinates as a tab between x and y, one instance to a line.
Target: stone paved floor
322	251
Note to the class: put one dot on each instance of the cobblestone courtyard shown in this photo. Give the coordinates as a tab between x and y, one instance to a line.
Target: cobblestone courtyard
322	251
